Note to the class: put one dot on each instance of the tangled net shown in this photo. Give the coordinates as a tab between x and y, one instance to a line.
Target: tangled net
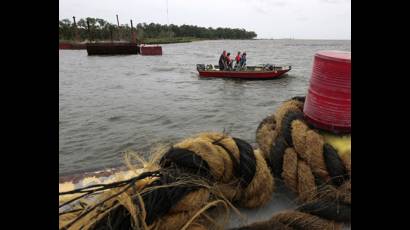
201	178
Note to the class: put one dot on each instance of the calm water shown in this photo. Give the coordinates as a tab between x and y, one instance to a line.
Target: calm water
112	104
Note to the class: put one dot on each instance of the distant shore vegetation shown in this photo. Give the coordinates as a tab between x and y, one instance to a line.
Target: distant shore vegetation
101	30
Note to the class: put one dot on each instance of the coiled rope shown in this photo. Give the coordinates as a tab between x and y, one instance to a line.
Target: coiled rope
213	171
310	164
211	167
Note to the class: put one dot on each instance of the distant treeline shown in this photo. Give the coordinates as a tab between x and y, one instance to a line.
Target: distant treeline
103	30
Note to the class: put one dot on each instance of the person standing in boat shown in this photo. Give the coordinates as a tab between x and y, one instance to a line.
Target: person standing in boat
229	61
243	60
222	61
238	60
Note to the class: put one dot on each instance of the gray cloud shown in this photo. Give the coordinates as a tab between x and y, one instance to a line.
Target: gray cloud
280	3
302	18
261	10
334	1
268	3
308	19
266	6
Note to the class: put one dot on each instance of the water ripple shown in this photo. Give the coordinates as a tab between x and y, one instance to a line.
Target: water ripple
110	104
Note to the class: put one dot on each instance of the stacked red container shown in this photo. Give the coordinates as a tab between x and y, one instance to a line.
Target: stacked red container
151	50
65	46
328	102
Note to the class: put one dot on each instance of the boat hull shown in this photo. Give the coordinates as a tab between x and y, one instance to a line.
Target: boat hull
243	74
71	46
112	48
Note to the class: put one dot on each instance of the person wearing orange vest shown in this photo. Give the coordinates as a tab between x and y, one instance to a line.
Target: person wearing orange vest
229	62
238	60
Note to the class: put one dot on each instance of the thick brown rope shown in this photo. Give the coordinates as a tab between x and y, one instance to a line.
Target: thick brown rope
299	156
228	165
228	169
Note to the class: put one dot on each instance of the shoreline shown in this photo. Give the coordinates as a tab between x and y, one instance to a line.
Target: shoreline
159	41
152	41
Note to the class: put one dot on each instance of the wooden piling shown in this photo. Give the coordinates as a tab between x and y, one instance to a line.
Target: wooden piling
76	35
133	39
119	32
89	31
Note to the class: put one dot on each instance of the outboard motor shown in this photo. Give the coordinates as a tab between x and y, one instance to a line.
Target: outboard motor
200	67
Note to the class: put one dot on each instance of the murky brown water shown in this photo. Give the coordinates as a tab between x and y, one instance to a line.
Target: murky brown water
111	104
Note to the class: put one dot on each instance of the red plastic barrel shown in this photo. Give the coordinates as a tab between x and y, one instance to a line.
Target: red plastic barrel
328	102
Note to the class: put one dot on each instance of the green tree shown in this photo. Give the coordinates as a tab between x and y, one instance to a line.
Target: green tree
102	30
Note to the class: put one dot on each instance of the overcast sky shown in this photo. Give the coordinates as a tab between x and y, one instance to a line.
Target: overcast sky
299	19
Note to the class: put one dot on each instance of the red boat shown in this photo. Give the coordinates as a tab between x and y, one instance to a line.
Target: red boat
249	72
